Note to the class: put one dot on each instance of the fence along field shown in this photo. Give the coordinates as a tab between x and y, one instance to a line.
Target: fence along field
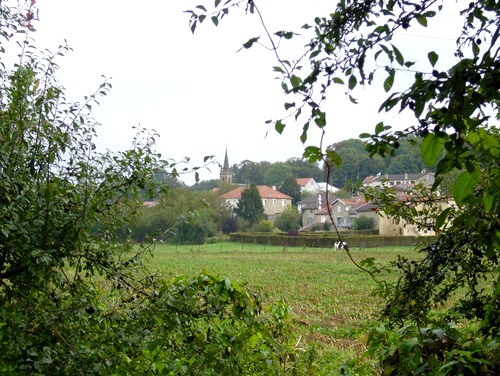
329	296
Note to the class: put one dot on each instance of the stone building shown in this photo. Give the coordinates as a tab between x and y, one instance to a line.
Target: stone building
273	201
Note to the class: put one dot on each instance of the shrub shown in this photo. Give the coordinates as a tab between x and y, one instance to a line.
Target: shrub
288	220
194	230
264	226
363	223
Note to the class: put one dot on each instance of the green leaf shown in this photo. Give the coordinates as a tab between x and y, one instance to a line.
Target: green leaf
390	102
313	154
289	105
338	80
201	7
379	128
279	126
389	81
215	20
475	49
352	82
399	56
314	54
433	58
320	119
298	113
365	135
250	42
422	20
442	217
303	137
430	149
296	81
419	107
464	186
278	69
488	203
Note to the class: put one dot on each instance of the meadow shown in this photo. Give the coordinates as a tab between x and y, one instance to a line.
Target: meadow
329	296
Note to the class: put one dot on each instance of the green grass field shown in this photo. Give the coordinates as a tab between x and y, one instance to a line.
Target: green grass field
329	296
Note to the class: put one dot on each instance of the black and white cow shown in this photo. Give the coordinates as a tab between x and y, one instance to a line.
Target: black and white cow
340	245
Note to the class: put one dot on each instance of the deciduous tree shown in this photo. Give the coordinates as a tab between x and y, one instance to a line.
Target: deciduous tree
291	188
288	220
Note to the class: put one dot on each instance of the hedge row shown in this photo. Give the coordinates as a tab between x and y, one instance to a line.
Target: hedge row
326	240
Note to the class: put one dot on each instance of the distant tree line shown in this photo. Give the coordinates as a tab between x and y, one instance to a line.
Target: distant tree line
266	173
357	163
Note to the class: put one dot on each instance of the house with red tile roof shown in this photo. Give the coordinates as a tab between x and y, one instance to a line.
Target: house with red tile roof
273	201
308	185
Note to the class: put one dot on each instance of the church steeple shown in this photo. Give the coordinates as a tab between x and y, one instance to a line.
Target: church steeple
226	173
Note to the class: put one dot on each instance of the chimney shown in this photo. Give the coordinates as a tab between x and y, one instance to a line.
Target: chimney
406	176
274	187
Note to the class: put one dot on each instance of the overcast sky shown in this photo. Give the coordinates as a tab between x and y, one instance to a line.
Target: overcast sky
197	91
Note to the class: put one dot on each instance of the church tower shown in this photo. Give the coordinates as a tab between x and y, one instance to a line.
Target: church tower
226	174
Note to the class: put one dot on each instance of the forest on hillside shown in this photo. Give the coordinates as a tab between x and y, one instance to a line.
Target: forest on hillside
356	165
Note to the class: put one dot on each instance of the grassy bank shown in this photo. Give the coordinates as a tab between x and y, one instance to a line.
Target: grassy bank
330	297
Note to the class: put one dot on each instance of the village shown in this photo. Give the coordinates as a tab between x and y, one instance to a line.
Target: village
316	209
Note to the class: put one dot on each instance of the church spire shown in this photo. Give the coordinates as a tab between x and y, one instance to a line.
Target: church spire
226	173
226	162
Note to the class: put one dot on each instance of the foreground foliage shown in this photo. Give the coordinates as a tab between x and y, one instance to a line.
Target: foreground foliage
74	300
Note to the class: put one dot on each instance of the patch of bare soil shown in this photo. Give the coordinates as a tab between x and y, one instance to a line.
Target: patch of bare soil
340	343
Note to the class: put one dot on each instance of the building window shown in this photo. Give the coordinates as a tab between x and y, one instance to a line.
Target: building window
274	202
282	202
339	209
264	202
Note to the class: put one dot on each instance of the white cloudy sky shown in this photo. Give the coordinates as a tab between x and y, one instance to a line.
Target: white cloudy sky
196	91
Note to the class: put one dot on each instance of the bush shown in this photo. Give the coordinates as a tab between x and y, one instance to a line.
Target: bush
288	220
194	230
264	226
364	223
243	225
